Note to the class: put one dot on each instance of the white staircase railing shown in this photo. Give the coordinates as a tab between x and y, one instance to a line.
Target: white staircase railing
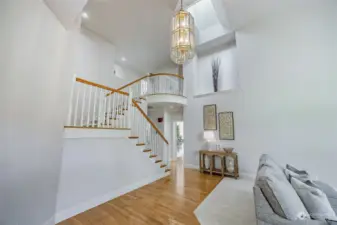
156	84
149	136
89	106
97	106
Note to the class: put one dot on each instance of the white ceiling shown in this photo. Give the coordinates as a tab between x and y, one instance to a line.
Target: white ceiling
204	14
140	30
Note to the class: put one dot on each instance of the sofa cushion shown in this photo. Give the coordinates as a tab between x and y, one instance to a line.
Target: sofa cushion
315	201
281	196
330	192
331	222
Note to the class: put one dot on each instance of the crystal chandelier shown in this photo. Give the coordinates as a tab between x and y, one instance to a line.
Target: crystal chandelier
183	45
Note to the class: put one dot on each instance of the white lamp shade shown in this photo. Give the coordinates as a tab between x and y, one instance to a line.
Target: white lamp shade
209	135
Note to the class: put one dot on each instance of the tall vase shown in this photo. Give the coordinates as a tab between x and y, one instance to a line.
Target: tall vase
230	164
207	162
215	73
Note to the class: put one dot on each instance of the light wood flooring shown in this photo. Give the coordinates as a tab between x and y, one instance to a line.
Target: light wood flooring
169	201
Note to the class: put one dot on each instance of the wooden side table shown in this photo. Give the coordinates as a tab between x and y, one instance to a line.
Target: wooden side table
222	155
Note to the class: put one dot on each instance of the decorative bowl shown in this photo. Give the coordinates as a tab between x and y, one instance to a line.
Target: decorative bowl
228	150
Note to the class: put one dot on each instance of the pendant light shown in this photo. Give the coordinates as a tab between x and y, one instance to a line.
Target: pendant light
183	43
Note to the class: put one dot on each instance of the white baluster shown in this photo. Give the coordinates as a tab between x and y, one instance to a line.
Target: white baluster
100	105
94	111
126	104
77	101
136	123
109	110
120	104
105	122
123	111
166	149
73	85
130	109
114	111
89	106
83	105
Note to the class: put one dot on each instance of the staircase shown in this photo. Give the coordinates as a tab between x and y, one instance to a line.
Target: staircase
95	106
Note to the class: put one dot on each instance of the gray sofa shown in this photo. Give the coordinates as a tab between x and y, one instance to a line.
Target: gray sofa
265	214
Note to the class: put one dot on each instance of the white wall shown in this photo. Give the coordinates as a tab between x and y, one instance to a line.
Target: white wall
286	102
33	45
125	75
228	70
94	60
38	60
154	114
93	175
67	12
167	126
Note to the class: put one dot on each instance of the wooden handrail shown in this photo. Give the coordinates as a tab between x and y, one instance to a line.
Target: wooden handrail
150	121
147	76
133	82
101	86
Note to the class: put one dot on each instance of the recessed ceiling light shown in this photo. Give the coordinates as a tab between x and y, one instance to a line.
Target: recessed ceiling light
123	59
85	15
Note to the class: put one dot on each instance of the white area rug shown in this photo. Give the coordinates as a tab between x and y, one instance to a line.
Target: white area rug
230	203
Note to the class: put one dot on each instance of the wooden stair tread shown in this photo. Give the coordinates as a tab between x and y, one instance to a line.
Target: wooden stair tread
167	170
133	137
163	165
140	144
153	156
147	150
158	161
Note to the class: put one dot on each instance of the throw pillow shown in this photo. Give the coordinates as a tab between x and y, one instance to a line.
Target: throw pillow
281	196
293	169
315	201
304	177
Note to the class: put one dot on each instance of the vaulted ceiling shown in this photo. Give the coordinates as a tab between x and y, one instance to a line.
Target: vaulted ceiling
140	30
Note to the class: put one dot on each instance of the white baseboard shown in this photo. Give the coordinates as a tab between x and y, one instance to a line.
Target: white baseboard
51	221
84	206
191	166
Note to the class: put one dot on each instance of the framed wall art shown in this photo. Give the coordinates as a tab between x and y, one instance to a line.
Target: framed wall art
226	126
210	117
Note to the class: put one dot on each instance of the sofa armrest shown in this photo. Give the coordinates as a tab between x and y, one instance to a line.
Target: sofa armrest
266	215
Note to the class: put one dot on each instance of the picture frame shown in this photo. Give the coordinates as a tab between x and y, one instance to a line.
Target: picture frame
210	117
226	126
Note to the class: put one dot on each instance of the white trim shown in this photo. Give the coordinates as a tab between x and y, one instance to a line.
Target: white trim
191	166
95	133
166	98
84	206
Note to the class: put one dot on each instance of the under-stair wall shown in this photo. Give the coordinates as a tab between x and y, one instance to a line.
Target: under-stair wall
96	170
110	147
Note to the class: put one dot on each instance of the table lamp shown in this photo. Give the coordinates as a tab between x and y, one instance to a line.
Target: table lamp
209	136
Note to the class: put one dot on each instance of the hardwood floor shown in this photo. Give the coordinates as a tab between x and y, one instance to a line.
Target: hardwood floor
169	201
